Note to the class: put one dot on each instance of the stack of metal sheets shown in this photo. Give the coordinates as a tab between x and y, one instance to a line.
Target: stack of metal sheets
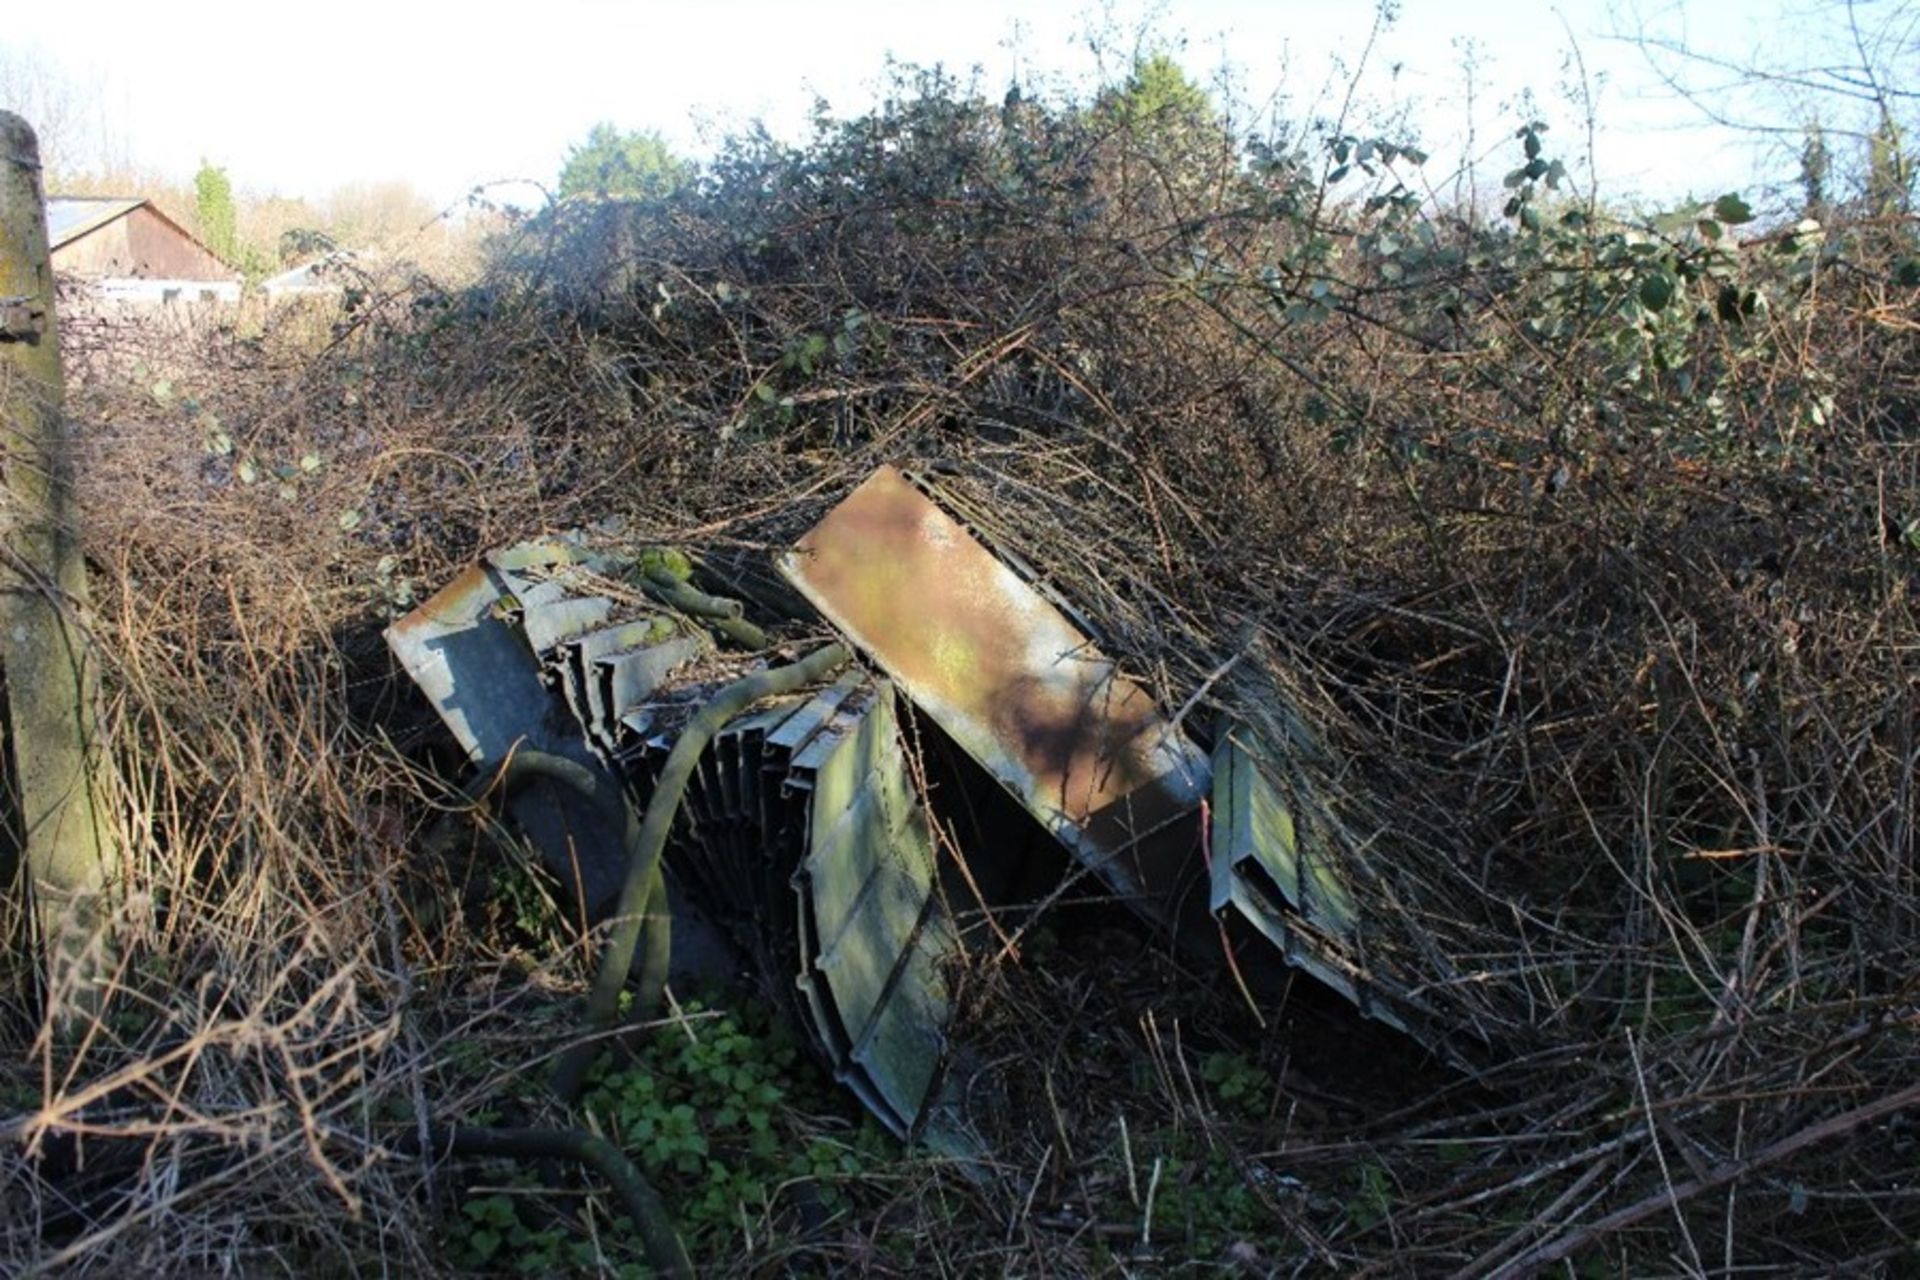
512	658
800	832
803	831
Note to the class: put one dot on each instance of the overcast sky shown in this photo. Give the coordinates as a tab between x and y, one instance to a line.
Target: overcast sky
300	99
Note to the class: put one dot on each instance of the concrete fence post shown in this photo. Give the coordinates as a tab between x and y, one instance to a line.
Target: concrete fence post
46	651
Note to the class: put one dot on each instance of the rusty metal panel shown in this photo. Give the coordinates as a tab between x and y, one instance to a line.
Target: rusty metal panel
1015	683
464	652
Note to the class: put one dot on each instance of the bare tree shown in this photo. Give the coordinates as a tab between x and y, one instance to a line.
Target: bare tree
1837	90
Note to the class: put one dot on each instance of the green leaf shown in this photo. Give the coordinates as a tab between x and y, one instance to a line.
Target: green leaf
1656	291
247	472
310	462
485	1244
349	520
1732	210
1531	141
1710	231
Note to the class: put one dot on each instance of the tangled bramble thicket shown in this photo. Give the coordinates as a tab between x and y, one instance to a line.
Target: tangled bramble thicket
1586	547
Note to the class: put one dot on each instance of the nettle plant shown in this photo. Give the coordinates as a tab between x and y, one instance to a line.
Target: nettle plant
711	1111
724	1114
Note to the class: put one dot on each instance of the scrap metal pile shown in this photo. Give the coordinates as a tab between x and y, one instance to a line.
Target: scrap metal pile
845	865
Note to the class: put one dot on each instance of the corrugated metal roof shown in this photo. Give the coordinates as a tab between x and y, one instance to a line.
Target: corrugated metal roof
70	217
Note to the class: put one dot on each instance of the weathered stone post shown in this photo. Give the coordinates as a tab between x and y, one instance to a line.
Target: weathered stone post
45	647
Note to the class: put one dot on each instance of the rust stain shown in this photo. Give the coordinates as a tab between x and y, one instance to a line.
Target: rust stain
1003	671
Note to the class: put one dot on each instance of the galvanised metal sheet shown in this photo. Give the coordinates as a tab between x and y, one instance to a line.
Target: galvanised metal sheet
1011	678
1253	827
873	934
1272	871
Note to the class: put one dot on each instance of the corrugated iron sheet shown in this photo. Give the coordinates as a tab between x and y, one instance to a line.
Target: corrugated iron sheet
800	831
802	828
511	659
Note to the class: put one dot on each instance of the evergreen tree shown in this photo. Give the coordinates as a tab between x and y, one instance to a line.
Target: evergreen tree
1889	169
1158	95
213	198
612	163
